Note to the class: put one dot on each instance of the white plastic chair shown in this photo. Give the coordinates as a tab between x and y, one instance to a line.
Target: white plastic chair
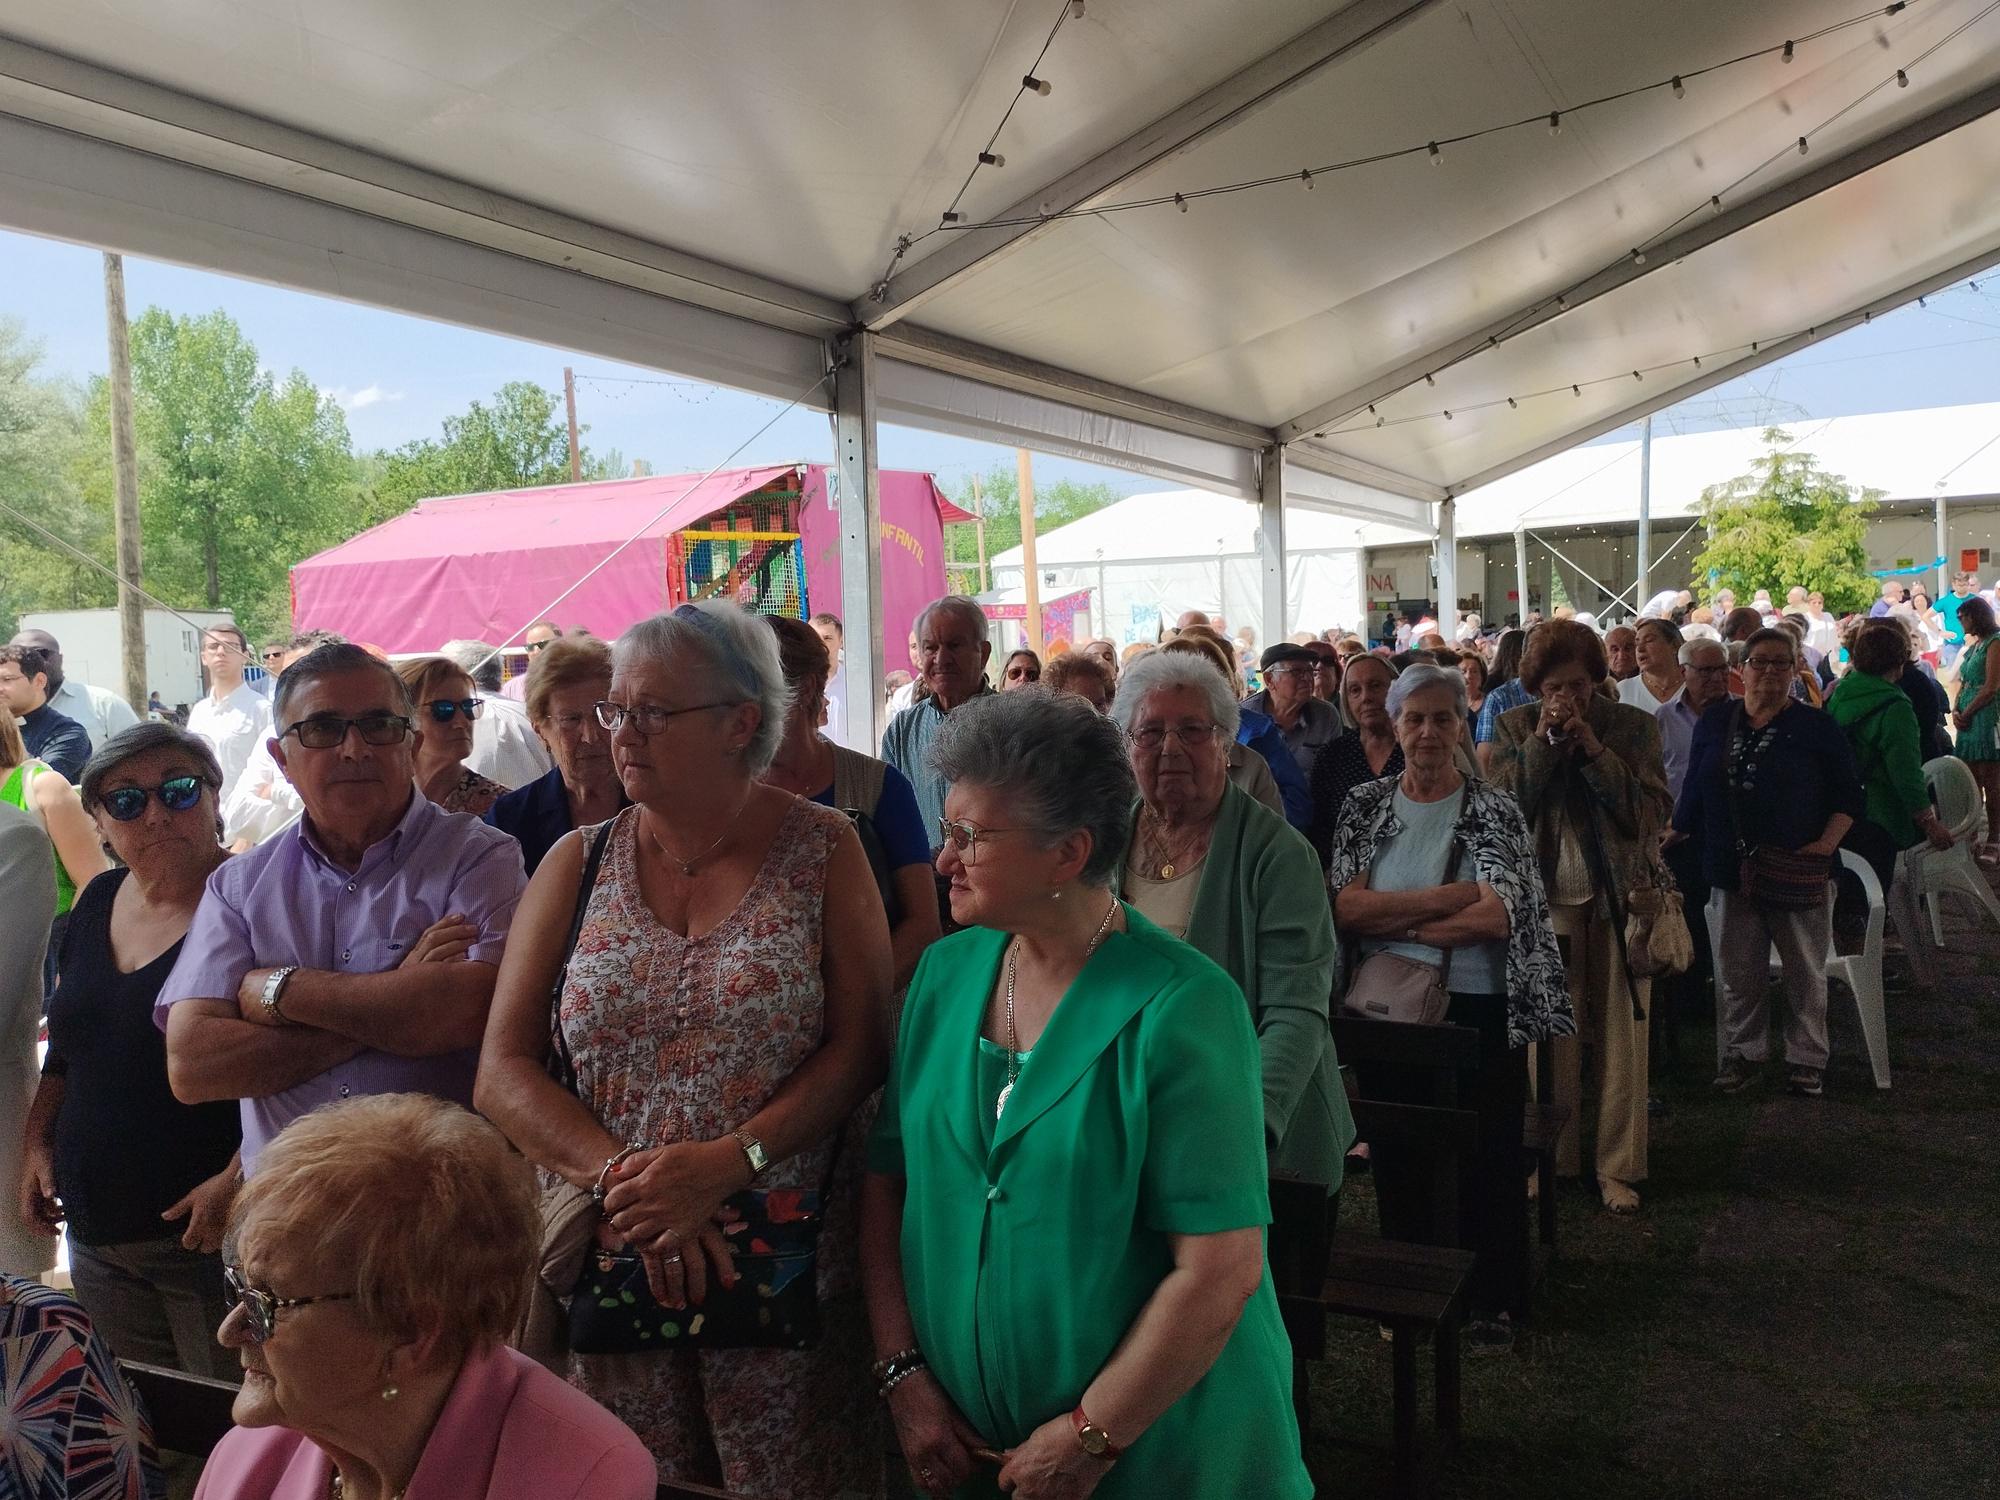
1860	972
1933	872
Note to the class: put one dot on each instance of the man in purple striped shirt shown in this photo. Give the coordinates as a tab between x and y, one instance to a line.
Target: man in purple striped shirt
356	952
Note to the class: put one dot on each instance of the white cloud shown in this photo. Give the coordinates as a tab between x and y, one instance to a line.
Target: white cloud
368	395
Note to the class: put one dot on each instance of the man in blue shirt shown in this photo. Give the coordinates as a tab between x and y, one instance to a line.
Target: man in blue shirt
1963	588
49	736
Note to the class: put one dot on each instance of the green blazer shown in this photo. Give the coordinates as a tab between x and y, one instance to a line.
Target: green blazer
1876	716
1030	1245
1263	915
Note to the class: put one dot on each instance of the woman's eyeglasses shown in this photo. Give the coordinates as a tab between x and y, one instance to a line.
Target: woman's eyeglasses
965	838
648	719
260	1308
325	733
444	710
176	794
1191	736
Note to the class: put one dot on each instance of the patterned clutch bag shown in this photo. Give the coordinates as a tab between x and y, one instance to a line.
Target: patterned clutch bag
774	1237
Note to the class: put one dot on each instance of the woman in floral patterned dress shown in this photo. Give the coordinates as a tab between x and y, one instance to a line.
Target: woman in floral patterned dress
723	1013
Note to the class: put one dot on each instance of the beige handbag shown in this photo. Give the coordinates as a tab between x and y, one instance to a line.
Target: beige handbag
1391	987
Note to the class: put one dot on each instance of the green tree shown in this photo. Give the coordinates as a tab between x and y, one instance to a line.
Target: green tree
519	441
999	502
240	475
41	436
1789	524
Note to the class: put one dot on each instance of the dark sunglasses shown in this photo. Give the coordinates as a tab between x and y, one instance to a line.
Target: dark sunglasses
277	655
539	645
442	709
260	1308
176	794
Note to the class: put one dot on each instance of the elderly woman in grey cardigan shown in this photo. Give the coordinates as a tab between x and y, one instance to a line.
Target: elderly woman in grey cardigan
1213	866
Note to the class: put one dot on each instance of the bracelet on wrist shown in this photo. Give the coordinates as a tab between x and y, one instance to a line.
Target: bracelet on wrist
893	1370
610	1162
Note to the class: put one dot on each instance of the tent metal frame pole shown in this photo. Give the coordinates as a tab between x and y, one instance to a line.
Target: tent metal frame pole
1645	583
1614	595
856	460
1273	565
1521	574
1447	568
1943	552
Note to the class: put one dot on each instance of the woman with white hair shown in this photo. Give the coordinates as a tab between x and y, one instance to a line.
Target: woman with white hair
1209	864
719	1012
1437	869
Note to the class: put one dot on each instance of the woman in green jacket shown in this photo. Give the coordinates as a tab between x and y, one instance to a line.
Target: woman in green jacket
1875	715
1063	1222
1208	864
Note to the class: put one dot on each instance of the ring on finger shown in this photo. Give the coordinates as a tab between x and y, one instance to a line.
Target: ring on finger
670	1260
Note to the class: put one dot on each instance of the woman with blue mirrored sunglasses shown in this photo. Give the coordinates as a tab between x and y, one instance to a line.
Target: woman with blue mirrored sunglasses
447	704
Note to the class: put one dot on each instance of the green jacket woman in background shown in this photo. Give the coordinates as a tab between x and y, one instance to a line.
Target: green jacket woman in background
1208	864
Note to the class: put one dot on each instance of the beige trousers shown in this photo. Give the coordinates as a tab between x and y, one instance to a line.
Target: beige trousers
1619	1064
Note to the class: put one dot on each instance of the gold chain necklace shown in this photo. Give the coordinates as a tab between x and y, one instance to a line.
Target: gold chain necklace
687	865
1013	1051
1173	858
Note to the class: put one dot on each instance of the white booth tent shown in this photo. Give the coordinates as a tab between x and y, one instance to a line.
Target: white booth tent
719	190
1149	557
1937	470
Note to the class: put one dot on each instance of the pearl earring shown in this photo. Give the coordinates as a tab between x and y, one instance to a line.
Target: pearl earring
390	1393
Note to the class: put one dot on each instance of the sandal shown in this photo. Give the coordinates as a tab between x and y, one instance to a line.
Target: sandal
1619	1197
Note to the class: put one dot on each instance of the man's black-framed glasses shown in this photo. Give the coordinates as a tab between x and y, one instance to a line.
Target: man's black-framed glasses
324	733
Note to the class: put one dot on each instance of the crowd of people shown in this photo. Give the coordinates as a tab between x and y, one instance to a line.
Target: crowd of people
609	1076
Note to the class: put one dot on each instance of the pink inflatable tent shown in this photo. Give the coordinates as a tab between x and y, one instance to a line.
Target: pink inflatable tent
483	567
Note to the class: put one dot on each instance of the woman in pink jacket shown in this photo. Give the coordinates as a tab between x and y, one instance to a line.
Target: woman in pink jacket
378	1258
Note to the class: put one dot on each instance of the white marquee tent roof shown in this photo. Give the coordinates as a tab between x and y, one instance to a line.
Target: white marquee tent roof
716	189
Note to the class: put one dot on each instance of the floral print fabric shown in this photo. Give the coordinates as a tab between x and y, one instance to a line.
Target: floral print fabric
683	1039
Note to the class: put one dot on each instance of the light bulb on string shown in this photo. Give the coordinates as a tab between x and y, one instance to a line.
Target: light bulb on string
1802	145
991	159
1306	177
950	216
1788	52
1447	415
1562	302
1555	122
1512	404
1637	376
1680	89
1638	256
1715	202
1180	203
1437	156
1430	379
1902	79
1035	85
1576	390
1076	10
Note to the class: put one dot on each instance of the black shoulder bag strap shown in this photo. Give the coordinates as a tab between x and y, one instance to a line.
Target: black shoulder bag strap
562	1067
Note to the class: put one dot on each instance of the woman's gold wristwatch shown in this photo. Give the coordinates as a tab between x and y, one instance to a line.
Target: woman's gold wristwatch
1095	1440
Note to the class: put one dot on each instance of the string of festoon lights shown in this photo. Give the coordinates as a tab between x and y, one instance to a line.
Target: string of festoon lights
1031	83
1536	313
1432	150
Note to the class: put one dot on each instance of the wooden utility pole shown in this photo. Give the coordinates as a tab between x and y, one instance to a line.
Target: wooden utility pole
569	400
979	530
1030	573
125	476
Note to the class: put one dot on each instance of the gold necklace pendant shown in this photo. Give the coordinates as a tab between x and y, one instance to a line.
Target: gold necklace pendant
1167	870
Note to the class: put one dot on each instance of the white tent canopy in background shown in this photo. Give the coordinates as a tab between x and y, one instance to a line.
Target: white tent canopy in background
1908	455
1152	556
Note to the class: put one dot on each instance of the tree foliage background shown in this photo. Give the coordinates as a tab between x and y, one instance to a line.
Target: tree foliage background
1789	523
242	472
999	501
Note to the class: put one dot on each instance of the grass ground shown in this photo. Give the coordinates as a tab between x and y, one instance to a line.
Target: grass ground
1809	1303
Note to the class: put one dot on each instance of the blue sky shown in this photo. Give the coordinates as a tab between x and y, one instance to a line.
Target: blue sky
398	377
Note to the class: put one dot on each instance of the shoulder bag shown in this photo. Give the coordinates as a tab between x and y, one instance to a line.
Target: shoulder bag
1393	987
773	1236
1772	877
